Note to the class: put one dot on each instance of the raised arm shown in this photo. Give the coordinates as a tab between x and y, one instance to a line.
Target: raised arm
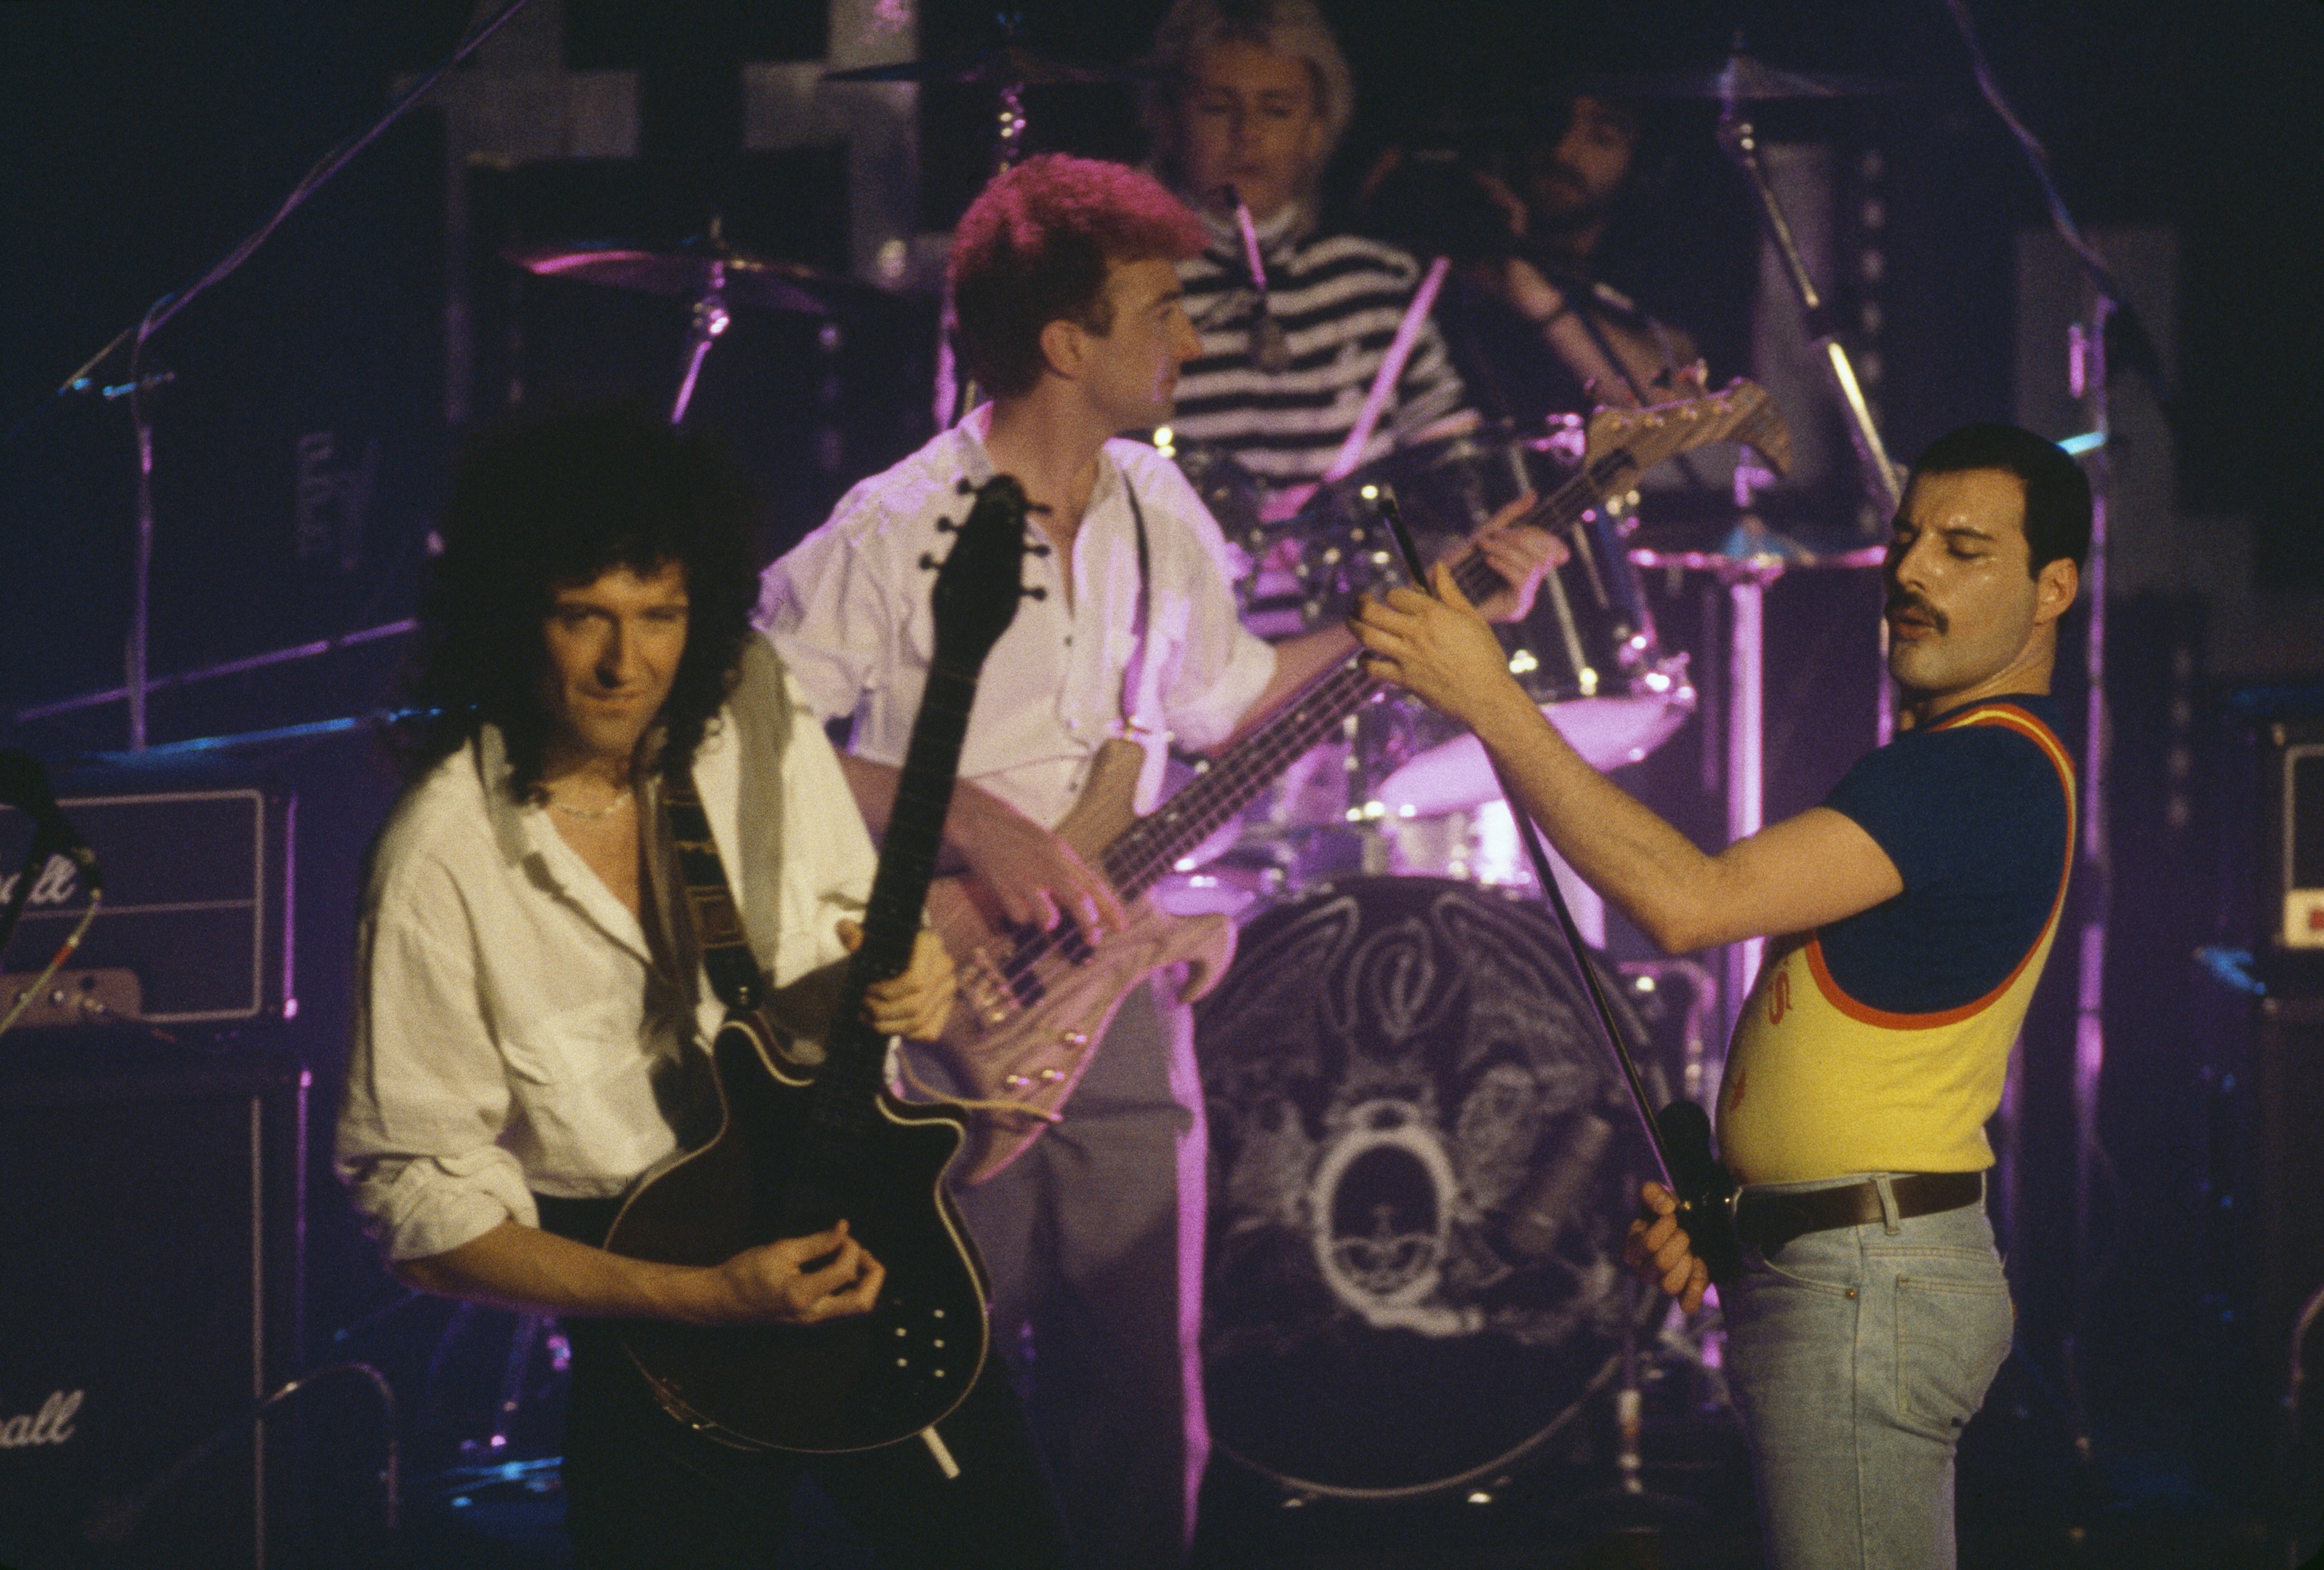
1791	876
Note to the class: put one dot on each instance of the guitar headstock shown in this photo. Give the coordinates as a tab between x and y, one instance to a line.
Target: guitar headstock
980	583
1740	412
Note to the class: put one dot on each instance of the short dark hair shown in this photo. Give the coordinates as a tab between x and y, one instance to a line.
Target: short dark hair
1035	246
542	500
2057	491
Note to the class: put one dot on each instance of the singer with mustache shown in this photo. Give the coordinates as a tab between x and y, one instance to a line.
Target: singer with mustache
1911	914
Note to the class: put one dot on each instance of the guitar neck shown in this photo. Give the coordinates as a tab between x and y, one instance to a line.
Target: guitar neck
1152	847
856	1063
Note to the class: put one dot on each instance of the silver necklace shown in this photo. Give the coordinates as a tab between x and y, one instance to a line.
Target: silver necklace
593	813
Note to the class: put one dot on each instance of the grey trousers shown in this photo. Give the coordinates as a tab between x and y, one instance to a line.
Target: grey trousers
1095	1241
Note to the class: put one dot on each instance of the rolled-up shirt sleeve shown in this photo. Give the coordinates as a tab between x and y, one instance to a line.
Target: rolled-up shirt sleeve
822	608
427	1096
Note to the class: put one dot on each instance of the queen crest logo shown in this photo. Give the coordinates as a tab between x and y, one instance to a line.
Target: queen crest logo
51	1425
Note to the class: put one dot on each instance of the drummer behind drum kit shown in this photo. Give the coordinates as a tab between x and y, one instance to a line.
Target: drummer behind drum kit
1421	1153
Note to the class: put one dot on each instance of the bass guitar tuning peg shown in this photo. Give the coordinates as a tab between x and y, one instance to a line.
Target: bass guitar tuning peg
1036	592
1036	550
928	563
964	486
946	525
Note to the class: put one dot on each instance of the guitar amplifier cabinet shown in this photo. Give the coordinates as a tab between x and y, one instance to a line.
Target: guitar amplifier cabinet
150	1285
196	904
2292	788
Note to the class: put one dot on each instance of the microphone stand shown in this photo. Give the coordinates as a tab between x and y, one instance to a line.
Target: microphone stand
162	309
1680	1134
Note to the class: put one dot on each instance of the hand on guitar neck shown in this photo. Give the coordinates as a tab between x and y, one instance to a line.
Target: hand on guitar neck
1034	876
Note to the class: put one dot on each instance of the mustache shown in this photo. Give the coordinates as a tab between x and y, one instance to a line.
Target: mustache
1901	601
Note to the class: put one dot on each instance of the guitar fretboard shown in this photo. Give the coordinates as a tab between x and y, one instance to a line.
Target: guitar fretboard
1151	848
857	1065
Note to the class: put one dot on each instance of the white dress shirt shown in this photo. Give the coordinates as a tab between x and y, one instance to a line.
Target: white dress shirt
849	609
509	1033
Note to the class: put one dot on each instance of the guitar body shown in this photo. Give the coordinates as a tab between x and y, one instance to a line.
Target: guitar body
809	1140
847	1384
1032	1009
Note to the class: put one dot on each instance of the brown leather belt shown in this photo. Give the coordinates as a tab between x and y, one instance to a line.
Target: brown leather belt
1767	1220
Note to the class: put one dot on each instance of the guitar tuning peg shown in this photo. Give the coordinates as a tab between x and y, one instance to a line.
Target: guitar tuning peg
1036	550
1036	592
964	486
928	563
946	525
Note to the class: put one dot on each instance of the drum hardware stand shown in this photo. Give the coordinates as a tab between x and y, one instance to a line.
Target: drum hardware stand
710	319
1746	563
1740	142
1882	486
162	309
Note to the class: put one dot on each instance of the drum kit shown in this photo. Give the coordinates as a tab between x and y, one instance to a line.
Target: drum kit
1422	1159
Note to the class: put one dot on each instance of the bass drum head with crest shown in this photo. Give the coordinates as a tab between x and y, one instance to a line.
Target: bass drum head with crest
1422	1165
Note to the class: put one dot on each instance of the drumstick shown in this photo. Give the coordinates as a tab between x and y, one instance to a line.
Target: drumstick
1399	350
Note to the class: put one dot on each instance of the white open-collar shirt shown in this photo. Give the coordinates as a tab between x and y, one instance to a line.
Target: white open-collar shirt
509	1032
848	608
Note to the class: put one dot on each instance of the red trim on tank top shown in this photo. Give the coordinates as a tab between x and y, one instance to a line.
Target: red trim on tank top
2030	725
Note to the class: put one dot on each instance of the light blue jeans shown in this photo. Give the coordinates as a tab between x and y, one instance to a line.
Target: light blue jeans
1856	1356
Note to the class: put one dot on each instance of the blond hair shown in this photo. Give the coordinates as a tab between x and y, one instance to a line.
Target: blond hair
1292	27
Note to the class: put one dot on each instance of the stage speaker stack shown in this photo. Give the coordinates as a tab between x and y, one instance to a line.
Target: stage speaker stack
150	1280
2287	1061
152	1158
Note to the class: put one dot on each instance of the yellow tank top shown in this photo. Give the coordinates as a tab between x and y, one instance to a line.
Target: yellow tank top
1819	1084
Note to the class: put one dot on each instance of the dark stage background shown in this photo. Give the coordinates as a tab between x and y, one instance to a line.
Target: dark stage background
319	393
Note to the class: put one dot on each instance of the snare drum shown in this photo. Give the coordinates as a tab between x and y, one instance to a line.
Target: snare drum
1423	1164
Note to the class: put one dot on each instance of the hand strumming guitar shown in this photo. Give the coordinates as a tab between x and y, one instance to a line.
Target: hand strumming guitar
781	1282
1036	878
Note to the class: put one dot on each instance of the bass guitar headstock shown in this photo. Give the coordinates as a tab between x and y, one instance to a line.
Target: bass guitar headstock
1740	412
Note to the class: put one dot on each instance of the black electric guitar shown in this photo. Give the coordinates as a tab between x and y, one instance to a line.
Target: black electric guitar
805	1143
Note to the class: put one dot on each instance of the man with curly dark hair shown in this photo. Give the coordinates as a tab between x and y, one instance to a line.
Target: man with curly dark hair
531	1008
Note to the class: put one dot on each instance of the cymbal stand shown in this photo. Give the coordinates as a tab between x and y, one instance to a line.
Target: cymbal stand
710	320
956	389
1740	142
1882	485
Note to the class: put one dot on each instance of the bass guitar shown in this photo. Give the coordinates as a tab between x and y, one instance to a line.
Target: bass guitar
1038	1001
809	1137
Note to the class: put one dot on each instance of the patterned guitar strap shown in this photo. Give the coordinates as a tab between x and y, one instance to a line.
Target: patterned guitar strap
718	933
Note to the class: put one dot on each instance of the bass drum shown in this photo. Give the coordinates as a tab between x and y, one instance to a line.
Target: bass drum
1423	1163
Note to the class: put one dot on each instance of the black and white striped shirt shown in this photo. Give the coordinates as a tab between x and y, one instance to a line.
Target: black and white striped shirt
1339	299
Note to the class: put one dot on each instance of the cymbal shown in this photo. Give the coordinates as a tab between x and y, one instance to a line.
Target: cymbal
1737	80
699	266
1008	66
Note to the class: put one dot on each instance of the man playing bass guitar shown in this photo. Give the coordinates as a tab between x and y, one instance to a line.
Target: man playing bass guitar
530	1004
1069	307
